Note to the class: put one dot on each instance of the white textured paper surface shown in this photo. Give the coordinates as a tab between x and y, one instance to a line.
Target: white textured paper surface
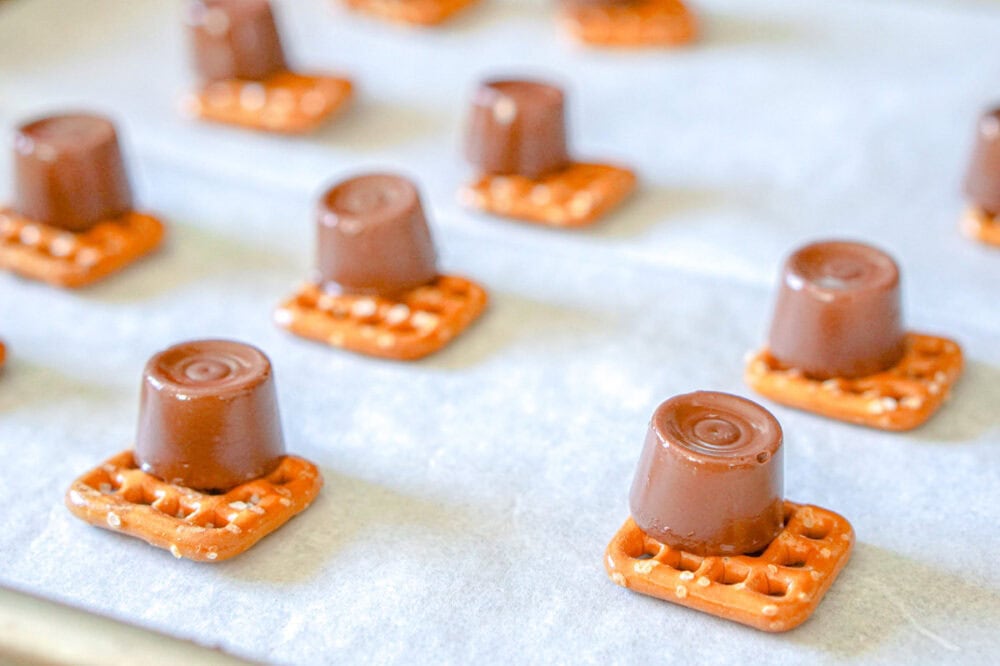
470	496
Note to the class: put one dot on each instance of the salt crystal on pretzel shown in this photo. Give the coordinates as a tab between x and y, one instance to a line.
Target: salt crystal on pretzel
378	291
709	528
413	12
517	142
982	182
245	78
71	222
209	476
837	346
629	23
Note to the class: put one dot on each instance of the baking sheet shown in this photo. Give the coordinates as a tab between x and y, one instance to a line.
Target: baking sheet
469	496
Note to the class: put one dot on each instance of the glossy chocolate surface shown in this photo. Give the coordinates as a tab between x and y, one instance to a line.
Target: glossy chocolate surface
208	416
838	312
982	182
373	237
234	39
69	172
517	127
710	477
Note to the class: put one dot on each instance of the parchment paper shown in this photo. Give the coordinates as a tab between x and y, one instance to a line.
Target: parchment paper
470	496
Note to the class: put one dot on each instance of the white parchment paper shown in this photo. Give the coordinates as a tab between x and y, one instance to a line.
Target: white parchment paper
470	496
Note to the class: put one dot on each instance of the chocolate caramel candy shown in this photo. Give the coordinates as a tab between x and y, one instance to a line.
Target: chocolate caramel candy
208	417
234	39
838	312
982	182
69	172
373	237
517	127
710	477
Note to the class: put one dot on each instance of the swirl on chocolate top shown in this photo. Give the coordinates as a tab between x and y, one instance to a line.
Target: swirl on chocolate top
69	172
373	237
839	311
710	477
209	415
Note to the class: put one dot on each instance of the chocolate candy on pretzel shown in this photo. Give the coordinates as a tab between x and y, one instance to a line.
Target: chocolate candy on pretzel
837	345
516	141
72	220
377	290
982	182
710	528
245	79
209	476
629	23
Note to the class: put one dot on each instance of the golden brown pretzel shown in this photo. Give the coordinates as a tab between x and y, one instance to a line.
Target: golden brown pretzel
574	197
418	323
286	102
199	526
981	226
414	12
644	23
75	259
900	398
775	590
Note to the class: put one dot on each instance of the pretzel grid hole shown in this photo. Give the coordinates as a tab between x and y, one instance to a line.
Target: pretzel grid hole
204	510
783	559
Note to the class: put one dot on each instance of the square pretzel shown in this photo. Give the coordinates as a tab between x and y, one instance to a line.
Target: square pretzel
900	398
642	23
119	496
416	324
574	197
414	12
981	226
285	102
775	590
75	259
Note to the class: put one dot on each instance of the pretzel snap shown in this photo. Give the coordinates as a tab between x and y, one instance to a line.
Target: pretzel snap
75	259
644	23
773	591
574	197
900	398
981	226
284	102
198	526
414	12
418	323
